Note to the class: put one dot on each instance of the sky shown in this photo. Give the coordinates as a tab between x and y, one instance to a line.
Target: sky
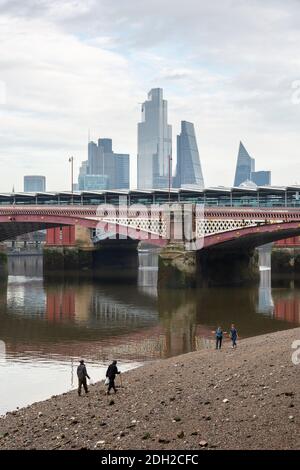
74	68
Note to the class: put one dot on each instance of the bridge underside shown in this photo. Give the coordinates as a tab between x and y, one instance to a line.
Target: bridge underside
251	238
9	231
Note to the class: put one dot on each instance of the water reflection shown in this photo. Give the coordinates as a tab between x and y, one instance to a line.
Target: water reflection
46	325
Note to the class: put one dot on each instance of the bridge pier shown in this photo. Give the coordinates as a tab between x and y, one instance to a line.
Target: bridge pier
179	268
68	249
3	266
285	260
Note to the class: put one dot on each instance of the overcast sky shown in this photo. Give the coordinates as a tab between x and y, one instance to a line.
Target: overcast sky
232	67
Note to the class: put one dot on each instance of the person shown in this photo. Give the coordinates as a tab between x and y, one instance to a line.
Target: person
233	336
219	337
82	375
111	373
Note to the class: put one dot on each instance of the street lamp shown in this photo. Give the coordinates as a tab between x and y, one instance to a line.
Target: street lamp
170	176
71	160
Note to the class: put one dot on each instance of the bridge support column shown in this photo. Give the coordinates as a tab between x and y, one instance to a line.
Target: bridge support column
285	260
177	268
3	266
225	267
68	253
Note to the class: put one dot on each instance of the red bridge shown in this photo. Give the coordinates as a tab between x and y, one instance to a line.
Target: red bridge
220	227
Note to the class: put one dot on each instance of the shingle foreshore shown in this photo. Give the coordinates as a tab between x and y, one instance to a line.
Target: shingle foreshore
246	398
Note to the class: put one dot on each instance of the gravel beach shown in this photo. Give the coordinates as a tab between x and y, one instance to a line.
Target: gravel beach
246	398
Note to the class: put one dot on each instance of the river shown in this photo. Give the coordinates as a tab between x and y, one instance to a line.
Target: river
46	326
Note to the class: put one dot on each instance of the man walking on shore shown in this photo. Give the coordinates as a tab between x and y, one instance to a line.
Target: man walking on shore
219	337
82	375
233	336
111	373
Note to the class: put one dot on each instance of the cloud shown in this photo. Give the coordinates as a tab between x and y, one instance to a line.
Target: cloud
70	65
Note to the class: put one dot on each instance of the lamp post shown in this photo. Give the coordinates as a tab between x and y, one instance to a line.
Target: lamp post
170	176
71	160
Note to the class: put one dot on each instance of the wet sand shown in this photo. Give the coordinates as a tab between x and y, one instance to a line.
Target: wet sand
230	399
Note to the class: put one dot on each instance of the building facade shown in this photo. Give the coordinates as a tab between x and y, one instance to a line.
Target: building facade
188	169
261	178
154	143
104	168
245	166
34	183
245	170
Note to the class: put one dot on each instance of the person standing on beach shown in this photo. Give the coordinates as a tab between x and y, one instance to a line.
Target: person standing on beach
111	373
233	336
219	337
82	375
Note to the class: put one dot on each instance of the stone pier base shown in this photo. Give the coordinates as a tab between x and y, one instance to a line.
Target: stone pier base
177	268
57	259
3	266
285	260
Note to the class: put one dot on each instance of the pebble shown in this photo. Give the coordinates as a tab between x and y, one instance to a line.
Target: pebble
203	444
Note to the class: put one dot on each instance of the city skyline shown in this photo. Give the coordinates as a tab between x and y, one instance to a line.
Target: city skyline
66	78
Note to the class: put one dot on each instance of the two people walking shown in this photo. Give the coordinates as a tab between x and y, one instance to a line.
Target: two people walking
219	336
111	373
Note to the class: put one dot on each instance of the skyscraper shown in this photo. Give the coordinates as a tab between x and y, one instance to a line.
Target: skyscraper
261	178
245	166
154	143
34	183
188	169
245	170
104	168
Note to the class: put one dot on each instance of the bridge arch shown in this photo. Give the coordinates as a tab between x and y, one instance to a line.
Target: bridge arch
252	237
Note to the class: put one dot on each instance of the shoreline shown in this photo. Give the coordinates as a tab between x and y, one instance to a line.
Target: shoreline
230	399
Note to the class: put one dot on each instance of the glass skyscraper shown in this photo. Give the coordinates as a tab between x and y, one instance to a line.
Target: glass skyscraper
34	183
245	166
104	168
245	170
188	169
261	178
154	143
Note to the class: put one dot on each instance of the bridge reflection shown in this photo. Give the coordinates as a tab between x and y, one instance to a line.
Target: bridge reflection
76	316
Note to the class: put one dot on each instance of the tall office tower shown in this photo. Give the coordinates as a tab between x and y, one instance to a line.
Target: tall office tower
104	168
34	183
94	159
188	169
154	143
245	166
261	178
83	171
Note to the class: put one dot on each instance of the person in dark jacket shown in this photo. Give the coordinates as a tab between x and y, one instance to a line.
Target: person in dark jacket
82	375
219	337
111	373
233	336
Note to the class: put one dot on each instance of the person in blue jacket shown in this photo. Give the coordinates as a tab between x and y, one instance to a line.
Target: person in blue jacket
233	336
219	337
